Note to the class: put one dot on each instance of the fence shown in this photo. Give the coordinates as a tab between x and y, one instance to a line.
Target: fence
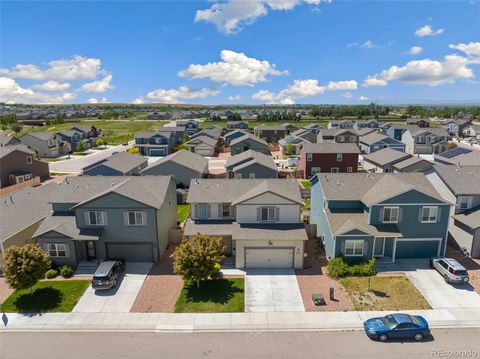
34	182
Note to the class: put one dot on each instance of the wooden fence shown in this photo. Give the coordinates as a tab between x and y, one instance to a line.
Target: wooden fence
34	182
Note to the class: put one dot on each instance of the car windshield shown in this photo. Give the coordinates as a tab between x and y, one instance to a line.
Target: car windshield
390	321
460	272
100	278
416	321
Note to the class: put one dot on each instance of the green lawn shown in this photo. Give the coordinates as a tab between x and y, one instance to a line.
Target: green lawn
213	296
182	212
306	184
383	293
48	159
47	296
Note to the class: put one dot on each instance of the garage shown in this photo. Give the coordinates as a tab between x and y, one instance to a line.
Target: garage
269	258
159	152
130	252
206	152
411	248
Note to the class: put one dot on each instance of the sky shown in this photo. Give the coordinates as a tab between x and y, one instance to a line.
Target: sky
240	52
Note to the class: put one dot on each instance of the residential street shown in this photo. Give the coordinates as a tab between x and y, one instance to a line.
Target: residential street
233	345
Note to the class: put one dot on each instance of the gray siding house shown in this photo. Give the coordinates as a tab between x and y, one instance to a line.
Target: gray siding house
230	136
154	143
426	140
251	164
248	142
202	145
119	164
376	141
48	144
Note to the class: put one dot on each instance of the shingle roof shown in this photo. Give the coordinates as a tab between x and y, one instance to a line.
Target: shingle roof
182	158
248	136
386	156
122	162
330	147
83	128
238	190
470	218
437	131
42	135
202	139
419	164
67	226
272	128
4	139
6	150
464	180
373	137
234	132
148	134
470	158
344	222
248	158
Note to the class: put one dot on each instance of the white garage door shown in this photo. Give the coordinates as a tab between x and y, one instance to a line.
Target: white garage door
204	152
269	258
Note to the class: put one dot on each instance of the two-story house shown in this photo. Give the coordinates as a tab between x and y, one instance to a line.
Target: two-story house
382	161
191	126
258	219
338	135
237	125
386	216
154	143
248	142
361	124
291	144
460	185
48	144
429	140
328	158
118	164
251	164
18	164
340	124
376	141
455	127
313	128
230	136
472	132
101	218
178	133
74	138
202	145
271	133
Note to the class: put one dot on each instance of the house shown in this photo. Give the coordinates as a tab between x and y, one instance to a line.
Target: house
460	185
182	165
101	218
271	133
328	158
367	130
74	138
376	141
455	127
305	134
412	164
387	216
313	128
361	124
214	127
248	142
290	128
202	146
395	131
343	124
472	132
154	143
251	164
191	126
338	135
212	133
88	132
18	164
419	140
178	133
258	219
237	125
48	144
459	156
228	137
291	144
8	140
119	164
420	122
382	161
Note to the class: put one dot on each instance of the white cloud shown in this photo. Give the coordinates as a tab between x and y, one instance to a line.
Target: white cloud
235	69
426	72
52	86
76	68
427	30
300	89
94	100
472	48
231	16
12	92
175	95
415	50
368	45
363	98
234	98
98	86
347	95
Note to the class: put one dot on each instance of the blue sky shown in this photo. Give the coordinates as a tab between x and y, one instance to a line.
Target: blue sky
252	52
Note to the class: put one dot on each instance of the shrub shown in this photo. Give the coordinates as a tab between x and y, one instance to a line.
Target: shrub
338	268
216	274
66	271
51	273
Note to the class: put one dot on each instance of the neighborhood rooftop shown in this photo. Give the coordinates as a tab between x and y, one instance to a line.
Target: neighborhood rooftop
250	157
330	147
464	180
184	158
122	162
386	155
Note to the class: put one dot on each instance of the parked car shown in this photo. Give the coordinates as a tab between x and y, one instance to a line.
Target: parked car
397	326
107	274
450	269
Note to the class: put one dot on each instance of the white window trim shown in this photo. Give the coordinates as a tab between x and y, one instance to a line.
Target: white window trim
334	168
96	224
269	211
383	214
468	202
309	157
312	172
430	208
349	169
355	246
144	222
56	250
29	160
339	157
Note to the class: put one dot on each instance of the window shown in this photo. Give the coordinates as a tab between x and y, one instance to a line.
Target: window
226	210
339	157
315	170
388	170
231	174
353	138
135	218
390	215
29	160
349	169
334	170
238	175
96	218
309	157
463	202
267	214
354	247
251	175
340	139
203	210
429	214
57	249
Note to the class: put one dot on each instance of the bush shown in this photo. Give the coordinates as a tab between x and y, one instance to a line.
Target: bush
51	273
338	268
66	271
216	274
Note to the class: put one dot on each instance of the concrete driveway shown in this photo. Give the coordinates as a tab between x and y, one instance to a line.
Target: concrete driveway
119	299
272	290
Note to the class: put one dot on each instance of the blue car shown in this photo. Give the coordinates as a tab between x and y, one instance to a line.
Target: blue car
397	326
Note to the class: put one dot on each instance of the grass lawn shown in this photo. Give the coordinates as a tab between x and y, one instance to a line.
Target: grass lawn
59	174
306	184
82	153
182	212
213	296
47	296
48	159
385	293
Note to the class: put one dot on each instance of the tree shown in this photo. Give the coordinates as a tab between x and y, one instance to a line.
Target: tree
24	266
80	146
290	149
16	127
100	142
196	258
133	150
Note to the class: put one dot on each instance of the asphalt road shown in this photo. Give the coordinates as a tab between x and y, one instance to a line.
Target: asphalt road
444	344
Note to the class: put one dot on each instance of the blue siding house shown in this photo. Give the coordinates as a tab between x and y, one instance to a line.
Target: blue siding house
386	216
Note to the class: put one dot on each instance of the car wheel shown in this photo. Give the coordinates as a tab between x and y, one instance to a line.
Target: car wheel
115	282
446	278
383	337
431	264
418	337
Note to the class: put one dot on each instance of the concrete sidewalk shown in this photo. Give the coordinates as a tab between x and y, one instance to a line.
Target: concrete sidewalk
171	322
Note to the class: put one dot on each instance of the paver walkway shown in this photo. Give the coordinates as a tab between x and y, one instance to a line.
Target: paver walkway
272	290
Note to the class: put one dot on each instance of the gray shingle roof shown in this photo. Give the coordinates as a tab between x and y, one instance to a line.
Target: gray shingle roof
122	162
470	218
386	156
330	147
67	226
373	137
42	135
250	157
6	150
464	180
248	136
471	158
416	162
148	134
202	139
5	140
182	158
344	222
272	128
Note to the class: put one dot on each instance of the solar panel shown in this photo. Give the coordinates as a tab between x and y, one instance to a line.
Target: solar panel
455	152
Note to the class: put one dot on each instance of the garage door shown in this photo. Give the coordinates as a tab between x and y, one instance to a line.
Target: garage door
204	152
416	249
157	152
269	258
131	252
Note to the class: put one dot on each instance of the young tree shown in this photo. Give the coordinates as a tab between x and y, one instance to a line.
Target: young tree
289	149
196	258
24	266
80	146
16	127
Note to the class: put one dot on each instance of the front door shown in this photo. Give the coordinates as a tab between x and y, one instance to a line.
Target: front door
91	250
379	249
